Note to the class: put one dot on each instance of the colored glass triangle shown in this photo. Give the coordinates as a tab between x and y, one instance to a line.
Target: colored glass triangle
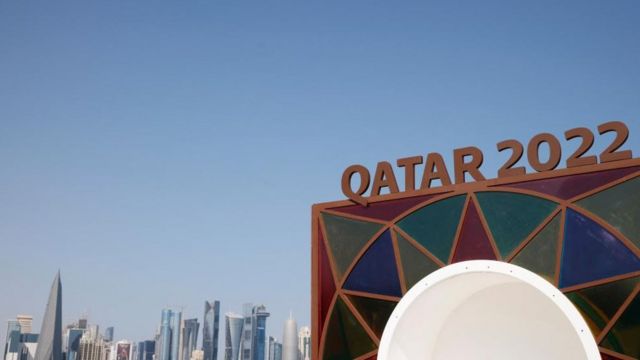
346	238
609	357
376	271
384	210
566	187
592	253
345	339
599	304
474	242
326	284
512	217
540	255
415	264
619	206
624	337
434	226
375	312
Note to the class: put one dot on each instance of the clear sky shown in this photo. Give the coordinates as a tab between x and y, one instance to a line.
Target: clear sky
160	153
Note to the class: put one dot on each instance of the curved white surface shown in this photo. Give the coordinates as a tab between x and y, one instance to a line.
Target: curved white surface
485	310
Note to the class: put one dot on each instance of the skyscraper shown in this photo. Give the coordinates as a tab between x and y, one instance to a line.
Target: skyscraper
12	343
304	343
210	329
233	333
165	335
189	339
247	332
25	322
290	340
275	349
259	332
108	334
176	325
73	342
50	339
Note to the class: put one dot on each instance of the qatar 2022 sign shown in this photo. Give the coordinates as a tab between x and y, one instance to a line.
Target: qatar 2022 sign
577	227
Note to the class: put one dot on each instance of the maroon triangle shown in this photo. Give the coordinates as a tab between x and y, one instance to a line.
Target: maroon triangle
326	284
609	357
384	210
473	242
566	187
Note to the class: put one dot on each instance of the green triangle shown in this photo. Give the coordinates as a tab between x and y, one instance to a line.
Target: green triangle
414	264
434	226
599	304
512	217
345	339
539	255
619	206
625	334
374	311
346	237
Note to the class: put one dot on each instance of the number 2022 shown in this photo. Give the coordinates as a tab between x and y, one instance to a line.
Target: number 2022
578	158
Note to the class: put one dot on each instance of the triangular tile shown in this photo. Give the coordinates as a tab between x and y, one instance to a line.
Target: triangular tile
384	210
599	304
345	339
592	253
415	264
376	271
566	187
625	334
346	237
619	206
474	242
512	217
326	283
375	312
434	226
540	255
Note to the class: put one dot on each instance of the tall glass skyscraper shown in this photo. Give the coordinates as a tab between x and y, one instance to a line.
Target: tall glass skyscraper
189	337
108	334
170	335
233	333
50	339
210	329
73	342
258	343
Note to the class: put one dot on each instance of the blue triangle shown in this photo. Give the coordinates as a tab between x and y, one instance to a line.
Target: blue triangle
592	253
376	271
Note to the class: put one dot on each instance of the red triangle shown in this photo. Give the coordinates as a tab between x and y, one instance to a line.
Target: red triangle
566	187
473	243
384	210
326	284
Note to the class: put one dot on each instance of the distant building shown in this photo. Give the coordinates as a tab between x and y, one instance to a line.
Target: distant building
259	331
170	325
304	343
25	322
146	350
28	346
93	348
290	340
121	350
210	330
108	334
50	338
72	345
197	355
12	343
275	349
189	338
233	332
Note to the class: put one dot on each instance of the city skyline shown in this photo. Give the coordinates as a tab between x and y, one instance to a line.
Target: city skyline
176	337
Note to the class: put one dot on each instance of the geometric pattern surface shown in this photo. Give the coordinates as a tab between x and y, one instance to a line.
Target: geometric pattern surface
580	232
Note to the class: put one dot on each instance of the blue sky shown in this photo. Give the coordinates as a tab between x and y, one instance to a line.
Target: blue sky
161	153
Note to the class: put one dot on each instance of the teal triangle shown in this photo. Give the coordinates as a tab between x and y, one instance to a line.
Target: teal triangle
346	238
512	216
434	226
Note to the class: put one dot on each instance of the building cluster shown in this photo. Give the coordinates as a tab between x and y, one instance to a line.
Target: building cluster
245	337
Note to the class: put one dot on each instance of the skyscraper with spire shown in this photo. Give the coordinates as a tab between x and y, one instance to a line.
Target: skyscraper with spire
290	339
50	339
